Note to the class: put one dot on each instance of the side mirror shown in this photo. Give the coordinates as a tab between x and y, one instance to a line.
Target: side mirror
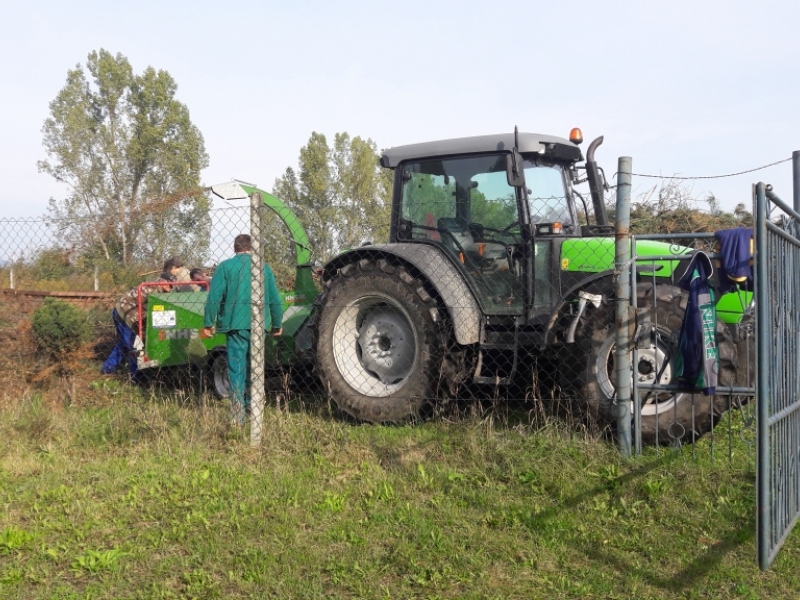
515	174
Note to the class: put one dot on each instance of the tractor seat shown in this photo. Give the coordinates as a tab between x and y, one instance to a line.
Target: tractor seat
458	228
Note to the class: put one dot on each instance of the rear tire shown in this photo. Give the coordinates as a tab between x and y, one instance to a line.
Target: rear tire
379	342
666	416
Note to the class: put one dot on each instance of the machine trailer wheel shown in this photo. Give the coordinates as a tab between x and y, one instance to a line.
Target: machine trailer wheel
672	415
379	346
217	372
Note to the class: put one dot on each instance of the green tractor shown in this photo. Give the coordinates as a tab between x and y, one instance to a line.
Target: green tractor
492	276
491	268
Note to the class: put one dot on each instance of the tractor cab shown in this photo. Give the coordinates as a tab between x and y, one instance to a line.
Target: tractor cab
493	271
495	204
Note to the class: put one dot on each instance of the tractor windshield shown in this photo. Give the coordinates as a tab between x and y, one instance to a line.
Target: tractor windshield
471	193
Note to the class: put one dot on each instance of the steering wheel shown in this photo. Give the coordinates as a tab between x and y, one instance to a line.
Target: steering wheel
445	231
506	230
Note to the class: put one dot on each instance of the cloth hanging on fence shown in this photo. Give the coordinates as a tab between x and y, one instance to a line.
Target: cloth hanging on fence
736	253
697	363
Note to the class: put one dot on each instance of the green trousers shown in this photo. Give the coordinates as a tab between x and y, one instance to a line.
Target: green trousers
238	346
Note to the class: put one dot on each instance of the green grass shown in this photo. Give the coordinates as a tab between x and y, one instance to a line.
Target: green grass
156	497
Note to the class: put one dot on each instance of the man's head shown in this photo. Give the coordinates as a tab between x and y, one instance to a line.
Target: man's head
198	275
166	276
173	265
242	243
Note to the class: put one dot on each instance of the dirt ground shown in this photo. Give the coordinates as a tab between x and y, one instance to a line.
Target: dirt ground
25	374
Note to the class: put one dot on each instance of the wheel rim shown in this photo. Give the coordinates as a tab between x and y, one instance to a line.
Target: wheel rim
219	372
653	367
374	345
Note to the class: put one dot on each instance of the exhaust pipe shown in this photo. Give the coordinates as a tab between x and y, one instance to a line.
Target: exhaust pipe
596	186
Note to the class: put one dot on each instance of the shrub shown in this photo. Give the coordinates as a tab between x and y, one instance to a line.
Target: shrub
60	328
52	264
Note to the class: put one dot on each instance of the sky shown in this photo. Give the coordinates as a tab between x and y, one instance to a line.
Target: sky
685	88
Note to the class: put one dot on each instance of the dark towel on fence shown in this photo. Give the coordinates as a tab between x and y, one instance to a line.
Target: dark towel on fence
735	254
697	363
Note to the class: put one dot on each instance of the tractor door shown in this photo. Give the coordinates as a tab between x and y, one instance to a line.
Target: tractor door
552	218
466	206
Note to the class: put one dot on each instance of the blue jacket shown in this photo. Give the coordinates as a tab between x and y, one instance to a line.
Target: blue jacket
735	255
697	363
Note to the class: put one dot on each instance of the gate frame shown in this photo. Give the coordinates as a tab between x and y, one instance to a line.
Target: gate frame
777	450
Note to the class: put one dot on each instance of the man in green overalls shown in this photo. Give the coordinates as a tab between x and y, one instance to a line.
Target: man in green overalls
227	310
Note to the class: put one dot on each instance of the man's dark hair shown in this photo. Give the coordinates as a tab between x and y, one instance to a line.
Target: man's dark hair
195	272
172	262
242	243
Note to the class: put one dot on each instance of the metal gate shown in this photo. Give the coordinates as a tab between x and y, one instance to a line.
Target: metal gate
777	351
777	291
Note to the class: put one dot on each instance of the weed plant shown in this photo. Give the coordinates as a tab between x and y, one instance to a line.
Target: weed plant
60	328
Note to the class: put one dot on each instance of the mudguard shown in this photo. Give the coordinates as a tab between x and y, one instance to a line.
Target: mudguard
443	275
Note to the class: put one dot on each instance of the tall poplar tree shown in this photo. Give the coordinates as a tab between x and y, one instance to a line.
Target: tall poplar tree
341	194
131	157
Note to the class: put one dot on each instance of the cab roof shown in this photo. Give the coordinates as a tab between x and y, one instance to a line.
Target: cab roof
547	145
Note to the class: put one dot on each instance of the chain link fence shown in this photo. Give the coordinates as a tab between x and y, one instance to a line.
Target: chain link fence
468	313
162	343
673	404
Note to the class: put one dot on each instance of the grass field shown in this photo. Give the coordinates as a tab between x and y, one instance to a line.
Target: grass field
152	495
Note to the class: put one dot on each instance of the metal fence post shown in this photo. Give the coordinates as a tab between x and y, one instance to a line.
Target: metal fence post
762	391
796	179
622	352
257	384
96	278
634	353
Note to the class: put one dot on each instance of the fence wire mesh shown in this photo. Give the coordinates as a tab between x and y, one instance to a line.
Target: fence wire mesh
468	312
672	406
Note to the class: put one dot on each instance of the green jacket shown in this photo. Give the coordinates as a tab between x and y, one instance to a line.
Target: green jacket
228	301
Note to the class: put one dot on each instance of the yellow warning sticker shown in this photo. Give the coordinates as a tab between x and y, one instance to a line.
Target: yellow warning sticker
564	264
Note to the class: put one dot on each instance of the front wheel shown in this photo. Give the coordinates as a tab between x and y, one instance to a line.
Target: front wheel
666	416
379	346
